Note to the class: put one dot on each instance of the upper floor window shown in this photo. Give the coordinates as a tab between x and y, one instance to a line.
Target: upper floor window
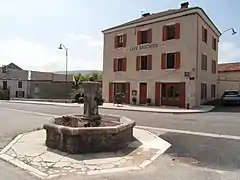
170	60
171	32
120	41
144	62
204	34
214	43
204	62
120	64
4	69
19	84
214	68
144	36
5	85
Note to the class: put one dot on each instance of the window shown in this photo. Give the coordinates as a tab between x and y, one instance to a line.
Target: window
119	88
214	67
120	64
170	60
143	63
19	84
120	41
204	35
170	32
213	90
170	92
214	43
204	62
203	91
144	37
5	85
20	94
4	69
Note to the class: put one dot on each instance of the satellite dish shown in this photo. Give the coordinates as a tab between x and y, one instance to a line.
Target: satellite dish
142	11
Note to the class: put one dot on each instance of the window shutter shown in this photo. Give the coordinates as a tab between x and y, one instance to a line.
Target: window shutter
110	93
115	42
163	61
177	30
115	65
149	62
157	94
177	60
203	33
202	62
206	35
124	64
213	42
138	63
139	38
124	40
164	33
206	63
150	36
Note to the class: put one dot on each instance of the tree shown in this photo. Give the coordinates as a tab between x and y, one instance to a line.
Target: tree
77	81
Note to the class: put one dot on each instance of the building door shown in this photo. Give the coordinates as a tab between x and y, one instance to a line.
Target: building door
143	93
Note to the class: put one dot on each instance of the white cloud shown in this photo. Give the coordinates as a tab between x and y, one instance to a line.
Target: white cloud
85	52
228	52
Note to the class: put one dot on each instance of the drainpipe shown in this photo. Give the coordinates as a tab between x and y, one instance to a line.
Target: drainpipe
196	78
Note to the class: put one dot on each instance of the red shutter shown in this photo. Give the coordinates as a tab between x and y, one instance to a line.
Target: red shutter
150	36
138	63
157	94
124	40
116	42
163	61
110	93
149	61
124	64
177	60
115	65
128	92
164	33
139	38
177	31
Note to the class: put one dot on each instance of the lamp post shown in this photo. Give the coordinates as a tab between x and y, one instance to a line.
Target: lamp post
230	29
61	46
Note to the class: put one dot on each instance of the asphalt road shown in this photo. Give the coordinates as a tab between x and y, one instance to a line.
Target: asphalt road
212	153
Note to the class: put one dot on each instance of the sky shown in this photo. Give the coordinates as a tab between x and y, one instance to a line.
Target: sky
32	30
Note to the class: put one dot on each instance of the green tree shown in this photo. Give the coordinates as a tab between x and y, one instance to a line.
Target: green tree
77	81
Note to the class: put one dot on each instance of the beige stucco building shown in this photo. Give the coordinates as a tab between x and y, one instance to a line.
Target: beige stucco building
170	57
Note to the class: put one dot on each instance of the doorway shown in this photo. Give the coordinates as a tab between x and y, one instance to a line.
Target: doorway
143	93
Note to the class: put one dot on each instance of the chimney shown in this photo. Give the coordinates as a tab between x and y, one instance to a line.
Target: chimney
184	5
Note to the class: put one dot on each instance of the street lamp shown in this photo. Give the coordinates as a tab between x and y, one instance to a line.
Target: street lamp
230	29
61	46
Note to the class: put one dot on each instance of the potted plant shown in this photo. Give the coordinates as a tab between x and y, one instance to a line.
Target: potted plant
148	101
134	100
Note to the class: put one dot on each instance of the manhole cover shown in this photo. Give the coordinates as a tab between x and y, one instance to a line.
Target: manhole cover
186	160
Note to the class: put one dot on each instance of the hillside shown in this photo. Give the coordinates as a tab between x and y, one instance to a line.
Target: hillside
83	72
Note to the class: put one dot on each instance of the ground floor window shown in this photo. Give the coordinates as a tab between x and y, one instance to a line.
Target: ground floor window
20	94
119	88
203	91
170	92
213	90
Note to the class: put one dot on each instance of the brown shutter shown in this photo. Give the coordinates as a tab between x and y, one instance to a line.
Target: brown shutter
164	33
116	42
212	42
110	93
124	40
206	62
124	64
206	36
128	92
115	65
149	62
177	30
139	38
202	62
163	61
157	94
150	36
138	63
203	33
177	61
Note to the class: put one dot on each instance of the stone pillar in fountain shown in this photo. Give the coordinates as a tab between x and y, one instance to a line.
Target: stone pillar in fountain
91	94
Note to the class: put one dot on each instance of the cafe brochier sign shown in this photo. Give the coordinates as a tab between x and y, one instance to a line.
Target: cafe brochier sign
144	46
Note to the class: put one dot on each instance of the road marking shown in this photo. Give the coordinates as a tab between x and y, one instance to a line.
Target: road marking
223	136
31	112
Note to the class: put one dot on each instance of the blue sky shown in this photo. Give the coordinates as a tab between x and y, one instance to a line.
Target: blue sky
31	30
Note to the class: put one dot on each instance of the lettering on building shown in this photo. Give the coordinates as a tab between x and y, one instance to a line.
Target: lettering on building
144	46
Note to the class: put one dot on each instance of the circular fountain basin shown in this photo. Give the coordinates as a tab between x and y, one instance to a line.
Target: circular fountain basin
70	134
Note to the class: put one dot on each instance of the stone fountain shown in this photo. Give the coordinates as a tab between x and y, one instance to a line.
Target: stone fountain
90	132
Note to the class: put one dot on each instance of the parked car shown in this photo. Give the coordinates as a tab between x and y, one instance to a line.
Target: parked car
231	97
